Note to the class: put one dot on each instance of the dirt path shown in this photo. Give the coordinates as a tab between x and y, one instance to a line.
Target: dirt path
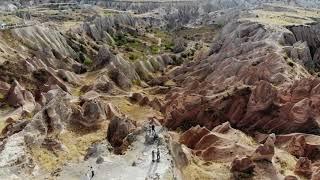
120	167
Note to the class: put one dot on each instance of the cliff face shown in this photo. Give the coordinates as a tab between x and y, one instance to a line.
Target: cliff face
311	36
245	54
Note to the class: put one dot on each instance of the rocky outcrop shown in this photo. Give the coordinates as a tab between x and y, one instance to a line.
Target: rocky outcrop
144	100
303	167
265	151
50	120
242	167
309	35
245	81
316	174
290	178
300	148
247	105
91	114
214	146
119	128
17	96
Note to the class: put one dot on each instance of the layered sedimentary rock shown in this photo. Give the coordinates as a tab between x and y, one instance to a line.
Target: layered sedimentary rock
246	82
91	114
240	166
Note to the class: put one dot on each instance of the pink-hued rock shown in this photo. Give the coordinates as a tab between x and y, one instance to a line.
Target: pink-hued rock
192	136
265	151
242	165
290	178
303	167
316	174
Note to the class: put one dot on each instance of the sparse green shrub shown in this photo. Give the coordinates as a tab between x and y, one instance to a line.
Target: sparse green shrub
137	82
155	49
121	39
87	61
133	56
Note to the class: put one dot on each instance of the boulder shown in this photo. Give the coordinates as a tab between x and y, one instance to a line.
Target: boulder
136	97
16	95
112	111
88	96
103	58
303	167
290	178
103	85
265	151
145	101
242	167
296	146
91	114
118	130
316	174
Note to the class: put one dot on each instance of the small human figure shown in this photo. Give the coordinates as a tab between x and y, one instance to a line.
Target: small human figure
155	136
158	155
153	155
92	172
153	129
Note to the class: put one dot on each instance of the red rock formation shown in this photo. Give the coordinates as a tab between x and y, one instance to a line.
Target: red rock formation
118	130
303	167
299	147
211	145
316	174
241	166
290	178
281	111
265	151
191	137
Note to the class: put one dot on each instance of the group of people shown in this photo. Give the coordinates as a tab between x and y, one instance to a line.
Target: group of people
152	131
158	155
90	174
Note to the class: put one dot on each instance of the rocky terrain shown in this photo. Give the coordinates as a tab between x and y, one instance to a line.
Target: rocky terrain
231	86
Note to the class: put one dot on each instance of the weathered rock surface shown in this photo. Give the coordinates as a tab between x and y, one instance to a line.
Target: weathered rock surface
303	167
241	167
119	128
265	151
91	114
50	120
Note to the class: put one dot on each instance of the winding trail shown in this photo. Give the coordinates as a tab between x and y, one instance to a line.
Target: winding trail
120	167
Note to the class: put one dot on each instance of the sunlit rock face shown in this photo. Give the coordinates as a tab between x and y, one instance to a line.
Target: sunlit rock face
259	87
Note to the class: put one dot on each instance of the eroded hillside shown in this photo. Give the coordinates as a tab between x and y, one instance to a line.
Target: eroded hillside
232	92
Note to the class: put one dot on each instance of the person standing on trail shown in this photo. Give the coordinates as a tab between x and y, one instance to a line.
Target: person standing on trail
153	155
92	172
153	129
158	155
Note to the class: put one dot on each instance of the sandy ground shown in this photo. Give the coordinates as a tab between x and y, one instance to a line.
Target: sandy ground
119	167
